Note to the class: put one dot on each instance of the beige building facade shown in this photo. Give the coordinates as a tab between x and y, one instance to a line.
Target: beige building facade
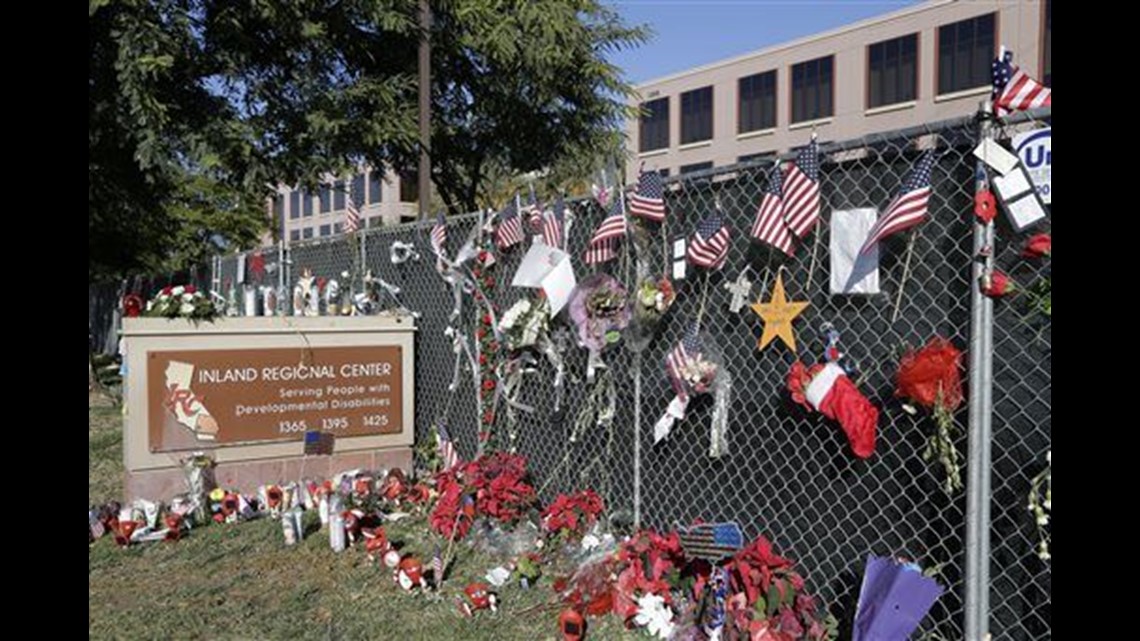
925	63
382	197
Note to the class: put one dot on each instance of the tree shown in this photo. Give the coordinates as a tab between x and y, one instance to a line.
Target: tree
195	102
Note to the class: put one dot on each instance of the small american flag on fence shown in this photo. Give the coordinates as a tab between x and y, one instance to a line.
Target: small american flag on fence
509	230
1014	90
351	216
679	360
605	237
709	246
439	234
909	207
711	541
649	200
770	226
447	453
801	191
553	223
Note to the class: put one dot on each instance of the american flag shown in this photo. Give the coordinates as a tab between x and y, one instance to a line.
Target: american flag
532	211
447	452
649	200
351	216
908	207
770	226
1014	90
606	236
438	234
509	231
709	246
711	541
679	360
552	224
801	191
437	567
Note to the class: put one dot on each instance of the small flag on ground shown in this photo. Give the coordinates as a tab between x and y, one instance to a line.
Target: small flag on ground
711	541
447	452
552	224
649	200
770	226
801	191
605	237
1014	90
438	234
509	231
351	216
709	246
909	207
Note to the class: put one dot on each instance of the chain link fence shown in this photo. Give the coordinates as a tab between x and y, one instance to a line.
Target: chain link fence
788	474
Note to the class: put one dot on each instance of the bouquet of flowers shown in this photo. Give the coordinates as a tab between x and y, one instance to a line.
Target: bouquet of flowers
525	323
693	366
496	486
572	515
653	299
599	308
929	378
182	301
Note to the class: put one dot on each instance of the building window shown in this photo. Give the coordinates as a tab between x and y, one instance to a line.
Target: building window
307	233
892	71
1047	47
325	230
374	180
325	198
653	127
307	202
337	228
812	89
965	54
338	195
697	166
295	234
409	186
295	204
358	189
767	155
757	102
696	115
375	221
278	207
664	172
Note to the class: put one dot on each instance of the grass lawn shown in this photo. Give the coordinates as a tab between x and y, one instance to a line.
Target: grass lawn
241	582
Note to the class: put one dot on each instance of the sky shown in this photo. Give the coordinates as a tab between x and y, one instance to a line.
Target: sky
690	33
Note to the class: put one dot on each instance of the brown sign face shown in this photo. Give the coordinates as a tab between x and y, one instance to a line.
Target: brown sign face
206	398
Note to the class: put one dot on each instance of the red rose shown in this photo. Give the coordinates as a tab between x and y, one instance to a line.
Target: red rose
488	384
483	436
985	207
494	346
190	289
1038	246
482	359
168	290
997	285
933	370
480	333
489	418
486	319
483	256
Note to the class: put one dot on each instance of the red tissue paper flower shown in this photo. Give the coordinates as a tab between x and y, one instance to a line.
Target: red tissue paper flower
173	524
985	207
997	284
930	376
827	390
1038	246
132	305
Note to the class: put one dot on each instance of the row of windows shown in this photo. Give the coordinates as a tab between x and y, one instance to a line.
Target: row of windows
329	230
332	197
965	52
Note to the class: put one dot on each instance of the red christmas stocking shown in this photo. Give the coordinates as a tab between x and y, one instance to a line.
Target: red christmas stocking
836	397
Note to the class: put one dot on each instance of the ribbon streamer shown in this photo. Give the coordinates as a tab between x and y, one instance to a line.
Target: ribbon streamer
722	400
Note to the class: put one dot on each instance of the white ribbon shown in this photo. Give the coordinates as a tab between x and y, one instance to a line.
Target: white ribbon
718	435
675	411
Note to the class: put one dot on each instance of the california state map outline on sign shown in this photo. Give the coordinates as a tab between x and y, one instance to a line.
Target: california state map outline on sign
182	402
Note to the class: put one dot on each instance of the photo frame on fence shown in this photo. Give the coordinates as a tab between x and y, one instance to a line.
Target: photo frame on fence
1022	203
680	265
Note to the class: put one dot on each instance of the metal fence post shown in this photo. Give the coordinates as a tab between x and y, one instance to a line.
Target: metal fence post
637	441
980	412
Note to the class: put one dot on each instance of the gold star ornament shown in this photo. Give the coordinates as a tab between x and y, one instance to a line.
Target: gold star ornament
777	315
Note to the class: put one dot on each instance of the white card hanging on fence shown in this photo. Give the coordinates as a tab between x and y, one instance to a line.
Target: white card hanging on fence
996	156
241	268
679	262
538	261
851	271
1020	198
559	284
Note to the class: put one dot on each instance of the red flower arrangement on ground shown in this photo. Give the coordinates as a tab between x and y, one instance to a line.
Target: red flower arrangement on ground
495	486
571	515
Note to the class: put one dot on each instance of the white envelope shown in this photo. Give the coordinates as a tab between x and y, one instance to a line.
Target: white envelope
548	268
559	284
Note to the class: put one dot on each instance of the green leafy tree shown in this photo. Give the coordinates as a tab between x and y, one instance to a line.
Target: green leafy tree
197	107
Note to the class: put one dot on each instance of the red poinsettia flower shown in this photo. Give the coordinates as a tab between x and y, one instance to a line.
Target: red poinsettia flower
273	496
173	523
1038	246
997	284
124	530
929	372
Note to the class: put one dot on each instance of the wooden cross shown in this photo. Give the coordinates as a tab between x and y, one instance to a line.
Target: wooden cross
741	292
